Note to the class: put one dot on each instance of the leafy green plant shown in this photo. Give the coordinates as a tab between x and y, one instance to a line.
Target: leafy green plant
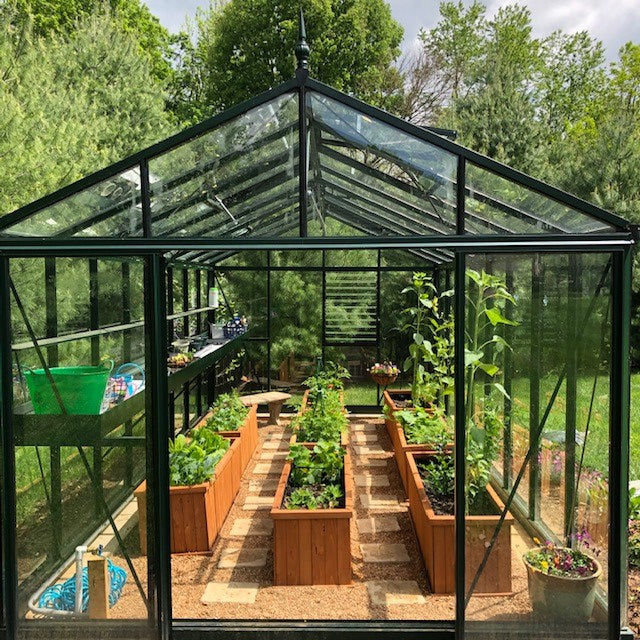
228	413
301	498
193	461
423	427
431	352
634	504
330	496
324	420
438	472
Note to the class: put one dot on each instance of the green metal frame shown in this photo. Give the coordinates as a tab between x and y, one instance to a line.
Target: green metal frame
399	224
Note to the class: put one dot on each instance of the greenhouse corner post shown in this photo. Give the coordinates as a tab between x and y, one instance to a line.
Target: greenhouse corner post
619	440
9	567
460	420
159	472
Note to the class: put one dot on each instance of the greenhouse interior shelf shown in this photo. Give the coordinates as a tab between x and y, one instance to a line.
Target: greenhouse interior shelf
306	370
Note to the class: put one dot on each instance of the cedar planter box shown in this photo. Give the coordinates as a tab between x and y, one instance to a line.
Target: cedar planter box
436	537
247	433
397	437
197	512
312	546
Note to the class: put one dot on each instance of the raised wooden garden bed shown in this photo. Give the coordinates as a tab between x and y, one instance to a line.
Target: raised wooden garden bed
247	433
198	512
436	537
312	546
344	435
397	437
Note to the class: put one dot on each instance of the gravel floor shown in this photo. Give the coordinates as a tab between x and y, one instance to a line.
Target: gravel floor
191	573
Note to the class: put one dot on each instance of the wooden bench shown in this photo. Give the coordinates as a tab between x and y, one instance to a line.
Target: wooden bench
275	400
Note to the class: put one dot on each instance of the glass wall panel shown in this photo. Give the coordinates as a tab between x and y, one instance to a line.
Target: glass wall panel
537	402
79	403
109	209
497	205
238	179
374	177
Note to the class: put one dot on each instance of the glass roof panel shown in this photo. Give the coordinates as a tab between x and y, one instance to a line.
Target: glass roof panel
108	209
206	186
497	205
353	153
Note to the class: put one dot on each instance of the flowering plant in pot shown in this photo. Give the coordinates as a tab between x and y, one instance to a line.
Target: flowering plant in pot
562	581
384	373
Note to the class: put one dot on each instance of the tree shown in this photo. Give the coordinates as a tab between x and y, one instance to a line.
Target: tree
64	16
71	103
247	46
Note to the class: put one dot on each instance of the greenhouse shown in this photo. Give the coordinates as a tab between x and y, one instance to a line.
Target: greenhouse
306	370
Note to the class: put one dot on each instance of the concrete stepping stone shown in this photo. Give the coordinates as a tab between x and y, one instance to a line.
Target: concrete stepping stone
380	553
268	468
262	486
364	426
385	593
367	480
377	524
251	527
274	455
252	503
371	450
371	462
231	558
272	444
365	438
237	592
380	503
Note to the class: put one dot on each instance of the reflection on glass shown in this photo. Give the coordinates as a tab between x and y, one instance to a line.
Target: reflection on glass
109	209
80	441
537	439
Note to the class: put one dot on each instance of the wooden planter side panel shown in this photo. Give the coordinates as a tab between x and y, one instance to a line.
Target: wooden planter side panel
226	482
436	538
312	547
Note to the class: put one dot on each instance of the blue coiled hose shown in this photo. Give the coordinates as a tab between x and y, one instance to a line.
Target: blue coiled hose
62	597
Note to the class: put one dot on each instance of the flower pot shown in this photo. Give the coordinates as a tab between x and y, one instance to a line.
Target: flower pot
562	598
197	512
384	379
436	538
312	546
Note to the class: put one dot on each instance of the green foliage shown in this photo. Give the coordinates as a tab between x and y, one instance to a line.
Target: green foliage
431	354
304	498
438	473
322	465
71	103
301	498
193	461
424	427
228	413
246	46
131	16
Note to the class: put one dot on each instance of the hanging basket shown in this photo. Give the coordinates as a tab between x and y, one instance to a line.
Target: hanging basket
384	379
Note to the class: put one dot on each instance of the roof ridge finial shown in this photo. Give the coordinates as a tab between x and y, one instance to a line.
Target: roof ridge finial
302	48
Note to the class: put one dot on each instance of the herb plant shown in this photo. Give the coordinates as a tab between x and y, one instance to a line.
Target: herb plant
315	476
193	461
424	427
228	413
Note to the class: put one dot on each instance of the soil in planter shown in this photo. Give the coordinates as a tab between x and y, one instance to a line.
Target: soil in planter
443	505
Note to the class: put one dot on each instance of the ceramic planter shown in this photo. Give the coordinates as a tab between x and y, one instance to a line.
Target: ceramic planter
436	537
562	598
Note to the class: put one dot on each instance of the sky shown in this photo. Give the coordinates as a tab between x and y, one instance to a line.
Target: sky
612	21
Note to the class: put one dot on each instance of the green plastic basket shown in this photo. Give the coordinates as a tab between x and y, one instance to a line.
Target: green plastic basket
81	389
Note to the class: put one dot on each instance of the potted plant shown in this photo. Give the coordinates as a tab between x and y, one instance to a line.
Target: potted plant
312	512
562	582
205	473
229	417
384	374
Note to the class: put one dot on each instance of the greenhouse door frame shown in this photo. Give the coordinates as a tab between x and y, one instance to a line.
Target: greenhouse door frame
153	249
